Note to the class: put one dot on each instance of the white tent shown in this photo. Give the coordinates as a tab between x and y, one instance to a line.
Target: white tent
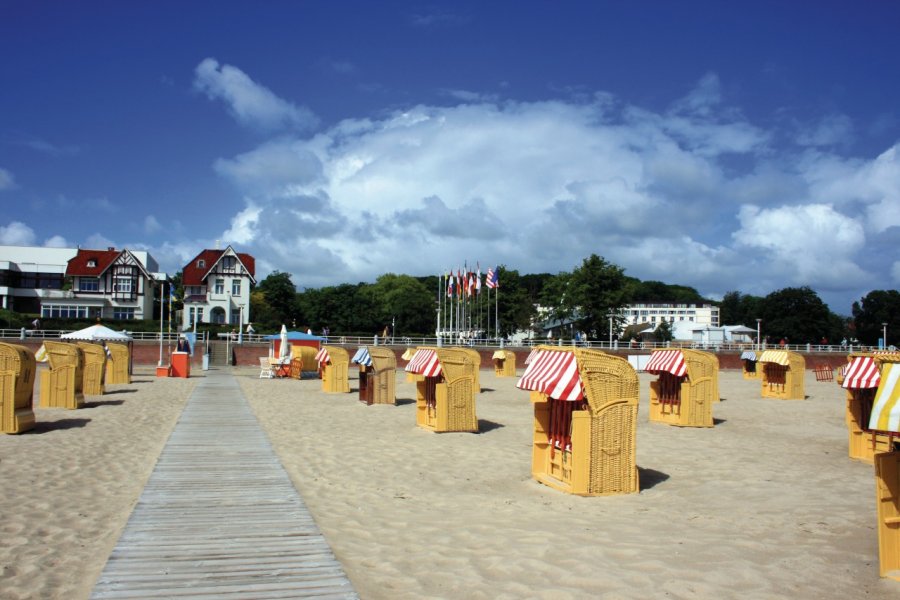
97	333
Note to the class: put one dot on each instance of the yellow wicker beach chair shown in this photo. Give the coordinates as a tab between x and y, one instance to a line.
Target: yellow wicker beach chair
17	369
504	363
783	374
335	372
117	363
588	447
861	374
885	419
446	402
94	368
61	384
686	401
377	382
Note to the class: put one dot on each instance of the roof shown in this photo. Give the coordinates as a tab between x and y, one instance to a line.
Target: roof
294	335
886	406
79	265
192	274
555	373
667	361
425	362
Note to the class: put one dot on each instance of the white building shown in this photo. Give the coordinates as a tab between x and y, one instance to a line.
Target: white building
110	284
699	314
217	288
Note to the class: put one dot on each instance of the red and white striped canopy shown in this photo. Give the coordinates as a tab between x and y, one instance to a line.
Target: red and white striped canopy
425	362
531	356
322	356
554	373
667	361
861	373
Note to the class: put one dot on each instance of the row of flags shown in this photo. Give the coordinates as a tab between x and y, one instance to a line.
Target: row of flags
468	283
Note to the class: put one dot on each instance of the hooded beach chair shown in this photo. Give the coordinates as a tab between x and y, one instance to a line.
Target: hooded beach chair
17	369
686	389
61	384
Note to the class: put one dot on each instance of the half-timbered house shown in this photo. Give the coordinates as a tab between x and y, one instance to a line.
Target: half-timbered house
217	288
108	284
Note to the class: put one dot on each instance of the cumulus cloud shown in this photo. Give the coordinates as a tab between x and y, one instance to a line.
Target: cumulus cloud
540	185
250	103
7	182
16	234
57	241
151	225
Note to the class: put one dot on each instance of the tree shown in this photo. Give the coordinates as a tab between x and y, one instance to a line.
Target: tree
513	303
280	296
407	302
594	289
798	315
663	332
876	308
739	309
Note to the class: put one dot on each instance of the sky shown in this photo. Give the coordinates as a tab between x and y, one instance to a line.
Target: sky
727	146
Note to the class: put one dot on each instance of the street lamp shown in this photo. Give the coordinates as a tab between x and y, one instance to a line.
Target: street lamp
884	335
610	315
758	321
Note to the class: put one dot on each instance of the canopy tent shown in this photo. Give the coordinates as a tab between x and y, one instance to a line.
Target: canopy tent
667	361
97	333
554	373
748	355
362	357
779	357
425	362
886	408
861	373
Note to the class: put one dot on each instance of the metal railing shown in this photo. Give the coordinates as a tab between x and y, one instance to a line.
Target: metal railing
258	338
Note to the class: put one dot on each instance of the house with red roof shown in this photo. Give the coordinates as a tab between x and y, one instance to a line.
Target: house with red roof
217	288
107	284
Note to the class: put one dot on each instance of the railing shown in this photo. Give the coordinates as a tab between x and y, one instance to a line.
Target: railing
258	338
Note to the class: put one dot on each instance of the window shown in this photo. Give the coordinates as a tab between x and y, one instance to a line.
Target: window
220	286
122	285
228	263
235	287
123	313
201	264
92	262
89	284
64	311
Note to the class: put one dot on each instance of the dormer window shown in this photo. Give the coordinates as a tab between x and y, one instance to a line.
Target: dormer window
92	262
201	264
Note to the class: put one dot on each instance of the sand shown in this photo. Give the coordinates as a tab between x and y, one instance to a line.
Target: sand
764	505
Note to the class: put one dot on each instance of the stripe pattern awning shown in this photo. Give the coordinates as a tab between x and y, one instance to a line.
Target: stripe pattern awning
554	373
667	361
886	407
531	356
779	357
362	357
748	355
861	373
425	362
322	356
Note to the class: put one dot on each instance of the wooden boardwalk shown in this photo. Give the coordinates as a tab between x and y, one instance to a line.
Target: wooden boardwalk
219	517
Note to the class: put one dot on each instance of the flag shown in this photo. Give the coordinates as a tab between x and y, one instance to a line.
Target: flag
478	281
470	283
450	285
492	279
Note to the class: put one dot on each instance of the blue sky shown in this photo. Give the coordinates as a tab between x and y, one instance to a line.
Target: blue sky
727	146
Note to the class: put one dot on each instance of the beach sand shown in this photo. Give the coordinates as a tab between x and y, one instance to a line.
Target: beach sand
766	504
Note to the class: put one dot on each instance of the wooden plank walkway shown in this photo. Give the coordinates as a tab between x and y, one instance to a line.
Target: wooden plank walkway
219	517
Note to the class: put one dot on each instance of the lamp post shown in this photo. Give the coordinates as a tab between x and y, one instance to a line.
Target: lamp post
610	315
241	326
758	321
162	289
884	335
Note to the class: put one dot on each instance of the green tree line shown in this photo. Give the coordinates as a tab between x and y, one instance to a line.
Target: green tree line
584	296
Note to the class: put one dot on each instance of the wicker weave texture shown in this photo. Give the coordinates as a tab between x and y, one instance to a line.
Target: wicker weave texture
61	384
384	378
887	495
17	369
336	373
784	383
447	403
863	444
117	363
505	366
611	390
94	368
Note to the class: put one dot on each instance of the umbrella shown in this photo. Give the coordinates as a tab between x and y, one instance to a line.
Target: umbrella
284	351
97	333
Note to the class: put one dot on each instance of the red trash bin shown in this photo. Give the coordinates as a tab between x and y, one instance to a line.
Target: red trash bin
181	364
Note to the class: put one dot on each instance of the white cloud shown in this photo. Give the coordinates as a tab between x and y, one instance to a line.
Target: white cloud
151	225
57	241
250	103
830	130
538	186
16	234
7	182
